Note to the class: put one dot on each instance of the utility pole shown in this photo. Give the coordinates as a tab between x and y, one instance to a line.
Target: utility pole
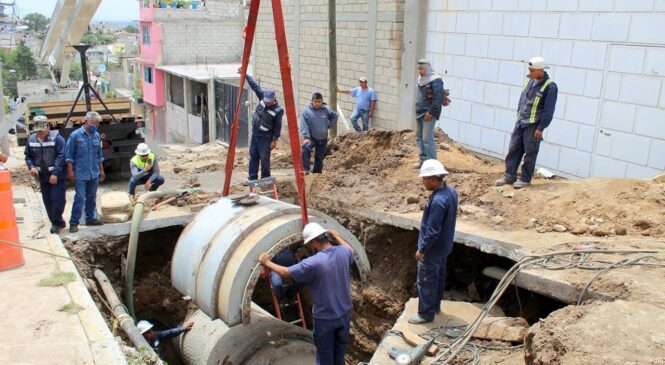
332	58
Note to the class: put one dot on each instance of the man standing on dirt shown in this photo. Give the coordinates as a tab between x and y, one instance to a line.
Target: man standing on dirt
534	113
145	170
83	154
45	157
327	273
365	104
315	120
435	241
429	101
266	129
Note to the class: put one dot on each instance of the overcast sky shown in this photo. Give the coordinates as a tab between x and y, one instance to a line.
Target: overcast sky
117	10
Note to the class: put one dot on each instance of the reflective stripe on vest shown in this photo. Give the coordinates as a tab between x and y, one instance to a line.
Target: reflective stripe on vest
536	101
140	164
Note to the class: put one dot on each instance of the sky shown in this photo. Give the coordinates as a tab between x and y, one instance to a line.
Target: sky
109	10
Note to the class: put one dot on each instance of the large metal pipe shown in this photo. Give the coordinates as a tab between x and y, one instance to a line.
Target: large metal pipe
215	261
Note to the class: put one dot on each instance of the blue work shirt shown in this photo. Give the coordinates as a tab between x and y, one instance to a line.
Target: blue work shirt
437	227
314	123
164	335
364	98
85	153
327	274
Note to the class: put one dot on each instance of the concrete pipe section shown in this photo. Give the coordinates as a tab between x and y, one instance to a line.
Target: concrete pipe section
265	341
216	258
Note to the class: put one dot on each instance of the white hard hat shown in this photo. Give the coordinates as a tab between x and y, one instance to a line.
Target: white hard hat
311	231
144	326
538	63
432	168
142	149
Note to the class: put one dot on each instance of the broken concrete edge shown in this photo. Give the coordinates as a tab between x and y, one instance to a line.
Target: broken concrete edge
104	347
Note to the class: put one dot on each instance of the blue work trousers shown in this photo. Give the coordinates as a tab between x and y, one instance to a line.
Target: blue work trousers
54	200
157	181
425	139
259	150
330	338
364	115
522	144
319	147
86	191
431	279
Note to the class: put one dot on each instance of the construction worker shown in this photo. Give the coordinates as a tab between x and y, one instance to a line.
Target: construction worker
3	157
154	338
286	258
435	241
145	170
266	129
327	273
429	101
365	103
84	167
534	114
315	120
45	157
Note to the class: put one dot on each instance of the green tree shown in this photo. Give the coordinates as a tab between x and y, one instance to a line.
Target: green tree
20	59
36	22
131	29
98	38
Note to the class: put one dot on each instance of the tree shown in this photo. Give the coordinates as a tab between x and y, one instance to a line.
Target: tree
21	60
131	29
36	22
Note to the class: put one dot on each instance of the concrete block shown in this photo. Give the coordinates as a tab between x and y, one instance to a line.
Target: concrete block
476	45
434	42
548	156
451	127
662	96
641	172
516	24
657	154
487	69
630	148
454	84
650	122
436	5
654	63
593	84
526	48
557	52
627	59
647	28
493	141
467	23
530	5
581	109
633	5
464	67
469	134
461	110
512	73
500	48
610	27
431	22
604	142
575	26
617	116
585	138
515	93
562	133
472	90
455	44
480	5
595	5
490	23
639	90
570	80
659	5
574	162
446	22
544	25
562	5
457	4
559	110
608	167
482	115
504	119
612	86
505	5
589	55
497	94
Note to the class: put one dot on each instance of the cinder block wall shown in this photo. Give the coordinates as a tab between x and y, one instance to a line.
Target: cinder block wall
607	56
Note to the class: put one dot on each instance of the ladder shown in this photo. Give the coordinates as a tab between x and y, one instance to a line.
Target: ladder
276	303
256	186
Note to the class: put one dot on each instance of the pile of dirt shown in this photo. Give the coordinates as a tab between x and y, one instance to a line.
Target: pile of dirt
21	177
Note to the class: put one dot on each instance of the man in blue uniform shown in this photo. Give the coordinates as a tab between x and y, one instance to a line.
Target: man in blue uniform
315	121
155	338
365	104
327	274
534	114
84	167
435	241
45	157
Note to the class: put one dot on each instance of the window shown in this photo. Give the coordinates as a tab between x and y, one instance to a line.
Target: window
146	34
147	74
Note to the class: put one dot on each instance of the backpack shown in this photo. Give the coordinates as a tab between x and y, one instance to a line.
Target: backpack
445	101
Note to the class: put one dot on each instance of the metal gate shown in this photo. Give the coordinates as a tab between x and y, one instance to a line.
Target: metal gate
226	98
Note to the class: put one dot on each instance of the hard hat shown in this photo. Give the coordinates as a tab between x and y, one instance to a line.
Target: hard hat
311	231
142	149
432	168
144	326
538	63
40	123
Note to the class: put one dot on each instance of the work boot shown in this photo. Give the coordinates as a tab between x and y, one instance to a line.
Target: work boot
132	199
417	319
521	184
502	181
56	229
73	228
94	222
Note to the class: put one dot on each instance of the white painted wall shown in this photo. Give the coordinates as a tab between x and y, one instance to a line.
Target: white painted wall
607	57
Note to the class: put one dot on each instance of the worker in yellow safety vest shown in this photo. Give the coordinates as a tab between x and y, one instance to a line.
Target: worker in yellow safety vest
145	170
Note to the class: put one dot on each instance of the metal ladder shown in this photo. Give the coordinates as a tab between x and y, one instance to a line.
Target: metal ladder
276	304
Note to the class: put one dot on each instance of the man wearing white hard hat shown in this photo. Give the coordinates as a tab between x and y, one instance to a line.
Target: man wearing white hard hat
155	338
435	241
145	170
534	114
327	274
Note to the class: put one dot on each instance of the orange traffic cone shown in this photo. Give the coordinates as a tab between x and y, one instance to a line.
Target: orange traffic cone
10	256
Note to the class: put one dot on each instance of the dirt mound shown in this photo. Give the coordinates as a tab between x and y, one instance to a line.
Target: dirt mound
574	333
